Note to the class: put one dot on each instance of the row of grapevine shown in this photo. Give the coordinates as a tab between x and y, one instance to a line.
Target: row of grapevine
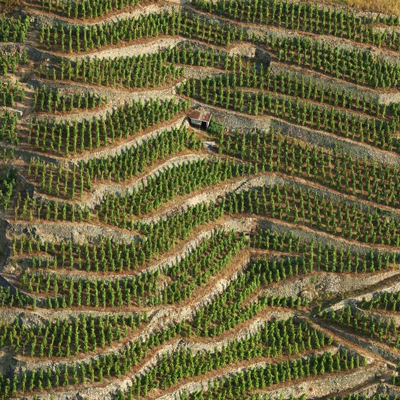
10	93
354	65
342	172
49	100
177	180
109	255
388	301
161	237
66	338
74	137
327	258
296	205
365	324
144	289
381	134
65	182
78	38
59	180
134	160
8	127
6	154
396	378
106	256
260	272
165	185
287	203
134	71
62	291
297	86
205	261
244	382
10	297
184	363
231	307
14	29
93	370
264	341
7	189
86	8
206	56
306	17
143	71
255	75
186	274
10	60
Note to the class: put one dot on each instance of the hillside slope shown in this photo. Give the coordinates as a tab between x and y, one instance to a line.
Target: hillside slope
253	256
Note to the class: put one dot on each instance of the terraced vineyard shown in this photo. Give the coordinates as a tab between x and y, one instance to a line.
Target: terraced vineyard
147	255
